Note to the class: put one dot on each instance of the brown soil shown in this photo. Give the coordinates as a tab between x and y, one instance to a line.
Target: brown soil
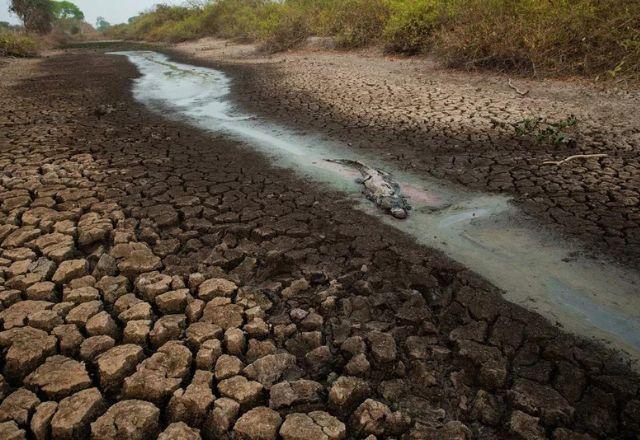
158	279
443	123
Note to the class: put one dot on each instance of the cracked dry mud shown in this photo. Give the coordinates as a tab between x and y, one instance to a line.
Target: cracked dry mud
440	123
158	282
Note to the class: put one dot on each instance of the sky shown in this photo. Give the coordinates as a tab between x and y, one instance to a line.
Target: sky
114	11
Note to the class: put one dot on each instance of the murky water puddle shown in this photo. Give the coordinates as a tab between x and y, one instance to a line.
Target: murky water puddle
484	232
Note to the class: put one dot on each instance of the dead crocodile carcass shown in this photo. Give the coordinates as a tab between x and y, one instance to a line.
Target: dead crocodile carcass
380	188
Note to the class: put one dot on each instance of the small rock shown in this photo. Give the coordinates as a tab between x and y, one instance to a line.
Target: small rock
259	423
41	420
370	418
358	366
302	391
74	414
258	349
16	315
42	291
209	352
221	417
354	345
160	375
296	287
228	366
130	419
333	428
257	328
191	405
486	408
525	426
28	348
383	346
18	406
93	228
69	339
179	431
241	390
167	328
216	287
11	431
112	287
92	347
59	377
234	341
45	320
80	314
69	270
198	332
81	294
224	316
102	324
347	392
137	332
301	427
117	363
541	401
269	369
174	301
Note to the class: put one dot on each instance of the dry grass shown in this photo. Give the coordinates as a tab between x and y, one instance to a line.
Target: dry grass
580	37
17	44
595	38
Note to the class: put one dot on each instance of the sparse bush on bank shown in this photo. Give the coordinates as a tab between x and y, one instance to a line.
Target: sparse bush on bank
546	37
17	44
583	37
412	25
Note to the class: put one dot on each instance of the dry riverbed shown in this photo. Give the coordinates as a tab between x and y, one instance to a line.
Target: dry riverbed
459	126
161	282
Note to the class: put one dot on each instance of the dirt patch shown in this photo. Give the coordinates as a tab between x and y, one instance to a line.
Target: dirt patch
228	295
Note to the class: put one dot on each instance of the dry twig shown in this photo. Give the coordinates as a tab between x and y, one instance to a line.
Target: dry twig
518	91
576	156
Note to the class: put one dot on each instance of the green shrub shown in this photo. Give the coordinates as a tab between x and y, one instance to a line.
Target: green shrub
587	37
412	23
149	25
176	31
235	19
282	27
358	23
17	44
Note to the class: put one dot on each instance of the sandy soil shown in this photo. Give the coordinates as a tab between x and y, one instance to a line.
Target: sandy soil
451	125
158	279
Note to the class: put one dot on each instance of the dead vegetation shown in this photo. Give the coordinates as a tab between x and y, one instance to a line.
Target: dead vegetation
594	38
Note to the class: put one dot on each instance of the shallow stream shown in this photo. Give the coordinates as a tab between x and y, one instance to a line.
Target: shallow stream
484	232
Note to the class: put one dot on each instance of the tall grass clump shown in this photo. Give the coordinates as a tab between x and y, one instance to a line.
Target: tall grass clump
283	26
412	24
17	44
357	23
557	37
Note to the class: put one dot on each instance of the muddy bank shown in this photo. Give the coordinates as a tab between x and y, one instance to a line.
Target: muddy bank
271	299
483	232
450	125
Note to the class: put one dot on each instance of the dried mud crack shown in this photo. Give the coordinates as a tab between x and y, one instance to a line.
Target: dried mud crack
459	127
158	282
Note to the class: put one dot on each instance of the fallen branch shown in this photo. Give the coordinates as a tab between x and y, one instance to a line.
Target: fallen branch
518	91
577	156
